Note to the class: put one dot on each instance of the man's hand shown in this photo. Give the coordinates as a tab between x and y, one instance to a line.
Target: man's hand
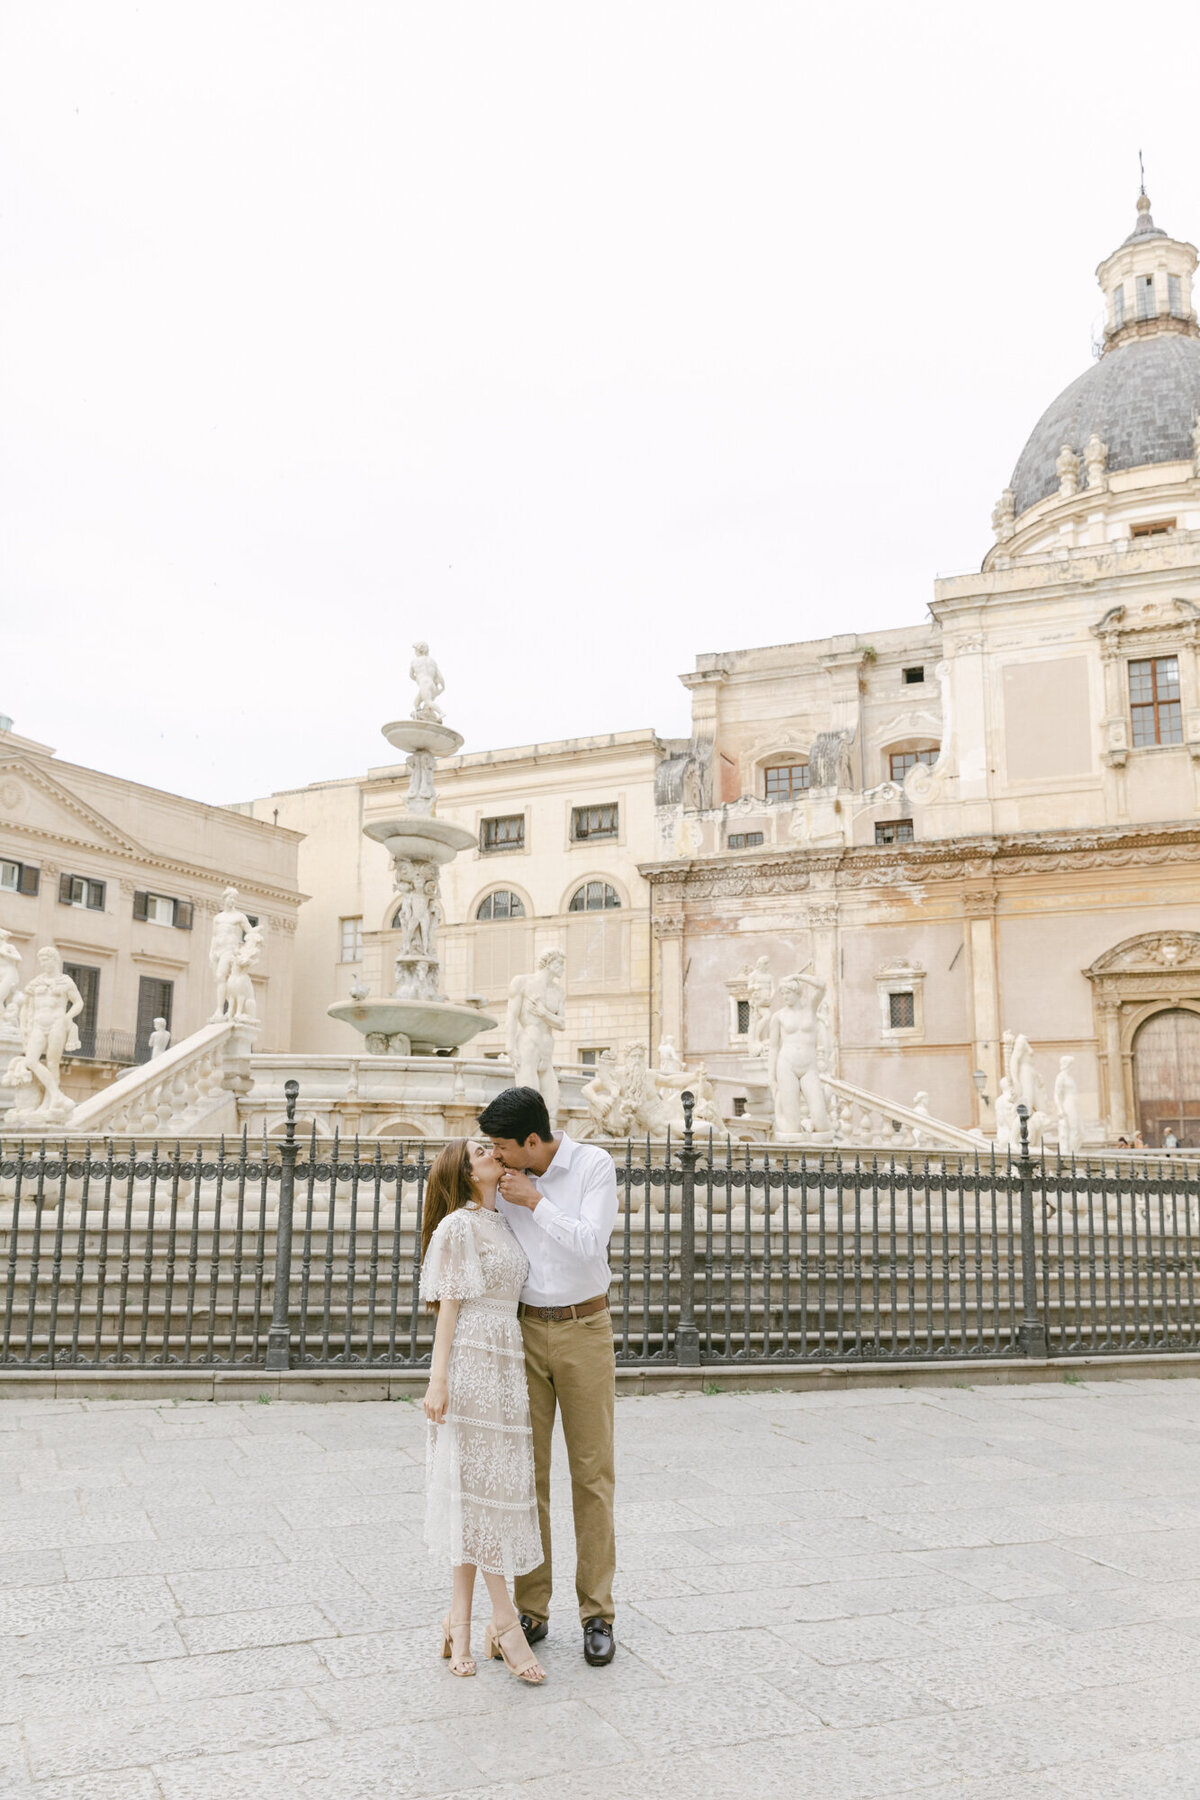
516	1187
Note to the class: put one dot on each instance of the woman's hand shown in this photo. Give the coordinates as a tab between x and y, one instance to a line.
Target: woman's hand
436	1399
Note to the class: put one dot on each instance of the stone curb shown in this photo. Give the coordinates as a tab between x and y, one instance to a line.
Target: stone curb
406	1384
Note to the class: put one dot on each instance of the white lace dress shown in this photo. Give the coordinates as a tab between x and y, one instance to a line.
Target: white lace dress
480	1501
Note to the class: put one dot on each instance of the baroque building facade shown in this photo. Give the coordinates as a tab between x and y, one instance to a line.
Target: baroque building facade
988	825
124	881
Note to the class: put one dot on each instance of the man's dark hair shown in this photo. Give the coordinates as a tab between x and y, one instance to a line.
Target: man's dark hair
518	1113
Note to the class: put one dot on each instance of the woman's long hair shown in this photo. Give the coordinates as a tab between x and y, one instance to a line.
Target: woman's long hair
448	1188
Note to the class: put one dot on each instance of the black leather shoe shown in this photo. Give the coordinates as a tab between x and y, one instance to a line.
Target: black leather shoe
534	1629
599	1645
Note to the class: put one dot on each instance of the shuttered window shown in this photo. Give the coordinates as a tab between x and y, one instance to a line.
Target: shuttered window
163	909
80	890
155	999
87	980
19	878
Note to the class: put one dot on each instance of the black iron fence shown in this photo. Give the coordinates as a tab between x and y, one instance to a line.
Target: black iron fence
289	1254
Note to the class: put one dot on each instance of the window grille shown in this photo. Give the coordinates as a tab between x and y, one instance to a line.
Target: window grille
894	831
589	822
745	840
507	833
743	1018
594	896
503	904
902	1011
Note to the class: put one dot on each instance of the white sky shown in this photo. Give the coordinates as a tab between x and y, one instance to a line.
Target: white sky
578	338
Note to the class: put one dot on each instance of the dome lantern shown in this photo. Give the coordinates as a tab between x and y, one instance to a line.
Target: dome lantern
1147	283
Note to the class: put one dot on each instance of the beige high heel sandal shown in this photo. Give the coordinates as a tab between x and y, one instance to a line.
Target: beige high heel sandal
496	1644
448	1630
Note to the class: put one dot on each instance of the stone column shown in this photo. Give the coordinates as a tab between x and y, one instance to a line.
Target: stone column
1112	1073
668	986
980	930
822	919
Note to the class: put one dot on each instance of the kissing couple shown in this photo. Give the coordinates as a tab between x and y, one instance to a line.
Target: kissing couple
514	1257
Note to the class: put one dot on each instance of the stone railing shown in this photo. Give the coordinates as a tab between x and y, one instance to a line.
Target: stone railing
860	1117
193	1087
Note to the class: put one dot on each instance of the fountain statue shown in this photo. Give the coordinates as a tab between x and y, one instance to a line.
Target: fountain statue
1066	1101
537	1008
49	1009
416	1018
792	1058
231	932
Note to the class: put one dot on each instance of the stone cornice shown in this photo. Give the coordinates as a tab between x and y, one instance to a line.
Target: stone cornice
979	860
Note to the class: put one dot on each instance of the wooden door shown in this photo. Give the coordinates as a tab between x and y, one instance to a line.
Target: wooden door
1166	1073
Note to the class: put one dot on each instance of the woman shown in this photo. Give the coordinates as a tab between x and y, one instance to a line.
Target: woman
480	1501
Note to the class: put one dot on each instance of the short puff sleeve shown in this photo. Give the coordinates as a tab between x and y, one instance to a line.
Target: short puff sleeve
452	1269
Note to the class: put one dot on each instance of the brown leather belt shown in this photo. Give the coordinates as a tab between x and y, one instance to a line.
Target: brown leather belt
581	1310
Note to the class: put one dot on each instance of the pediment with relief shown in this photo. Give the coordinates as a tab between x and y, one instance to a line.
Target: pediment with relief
34	801
1155	953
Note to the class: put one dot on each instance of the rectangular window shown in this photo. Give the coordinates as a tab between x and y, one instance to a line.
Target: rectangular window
1153	528
591	822
901	761
19	878
1118	308
163	909
784	780
1154	703
589	1058
78	890
902	1011
351	940
155	999
739	1106
507	833
745	840
1145	297
88	982
1175	296
743	1018
912	676
894	831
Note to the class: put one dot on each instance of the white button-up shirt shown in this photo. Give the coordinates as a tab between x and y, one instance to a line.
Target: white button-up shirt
566	1235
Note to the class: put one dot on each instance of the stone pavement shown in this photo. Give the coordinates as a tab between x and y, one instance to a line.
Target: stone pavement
969	1593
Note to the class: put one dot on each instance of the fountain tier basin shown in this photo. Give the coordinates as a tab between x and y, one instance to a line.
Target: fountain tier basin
412	735
420	839
420	1027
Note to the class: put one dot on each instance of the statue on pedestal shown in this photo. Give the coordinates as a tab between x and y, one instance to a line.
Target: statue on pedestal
49	1009
428	677
1008	1125
231	928
603	1096
537	1008
1066	1103
160	1040
792	1071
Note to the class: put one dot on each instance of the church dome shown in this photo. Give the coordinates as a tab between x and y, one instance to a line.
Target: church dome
1141	399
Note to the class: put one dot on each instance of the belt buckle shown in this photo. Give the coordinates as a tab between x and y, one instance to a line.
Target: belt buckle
561	1312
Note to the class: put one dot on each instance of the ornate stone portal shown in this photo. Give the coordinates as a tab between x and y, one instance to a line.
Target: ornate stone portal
417	1018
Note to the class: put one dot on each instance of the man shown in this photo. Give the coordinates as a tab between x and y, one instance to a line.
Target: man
560	1198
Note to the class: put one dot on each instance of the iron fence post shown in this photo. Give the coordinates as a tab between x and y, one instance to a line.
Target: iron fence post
687	1337
279	1337
1032	1335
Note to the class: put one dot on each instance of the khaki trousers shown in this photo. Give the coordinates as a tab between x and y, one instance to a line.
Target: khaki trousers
570	1365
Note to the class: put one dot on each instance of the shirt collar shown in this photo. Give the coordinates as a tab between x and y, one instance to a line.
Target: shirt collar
563	1156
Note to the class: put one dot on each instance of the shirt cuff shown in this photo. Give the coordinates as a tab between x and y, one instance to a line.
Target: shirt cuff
545	1211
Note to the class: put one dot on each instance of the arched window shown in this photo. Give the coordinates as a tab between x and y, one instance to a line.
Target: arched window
503	904
784	780
594	896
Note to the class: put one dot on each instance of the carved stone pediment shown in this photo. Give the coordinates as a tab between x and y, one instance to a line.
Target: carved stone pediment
1159	617
1154	953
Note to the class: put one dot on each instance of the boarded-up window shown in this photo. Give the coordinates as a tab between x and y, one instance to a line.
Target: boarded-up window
597	951
1047	719
501	951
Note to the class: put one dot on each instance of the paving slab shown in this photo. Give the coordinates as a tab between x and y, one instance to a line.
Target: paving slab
966	1592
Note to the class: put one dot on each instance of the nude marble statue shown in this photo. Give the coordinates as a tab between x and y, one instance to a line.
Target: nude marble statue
792	1071
537	1008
